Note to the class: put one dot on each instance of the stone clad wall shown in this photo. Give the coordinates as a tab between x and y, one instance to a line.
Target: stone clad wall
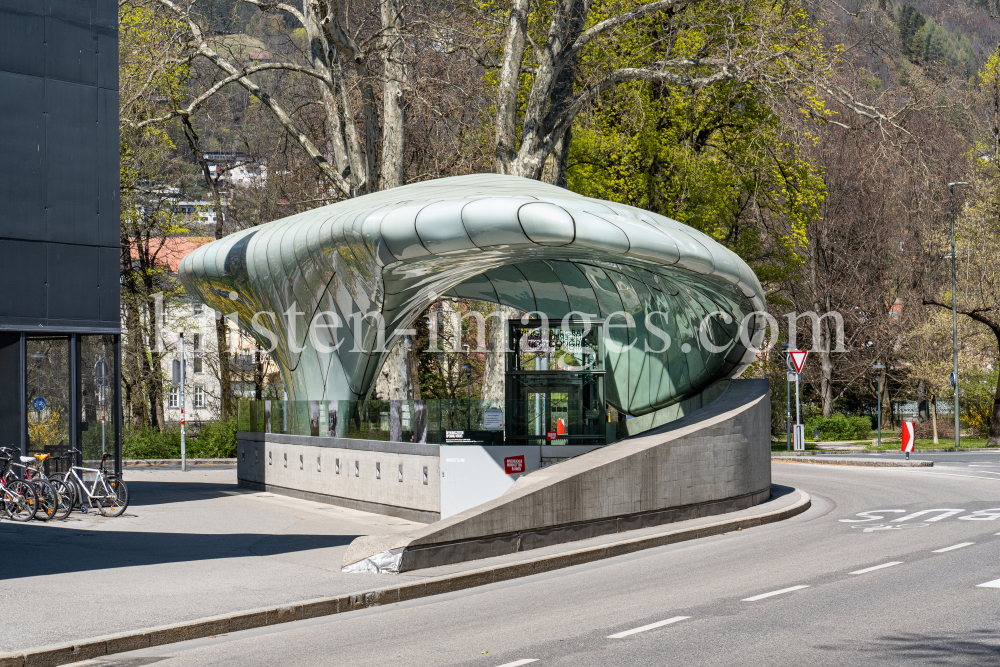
288	464
712	461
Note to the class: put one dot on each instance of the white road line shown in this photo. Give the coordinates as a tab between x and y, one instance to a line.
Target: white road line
954	546
651	626
990	584
518	663
767	595
878	567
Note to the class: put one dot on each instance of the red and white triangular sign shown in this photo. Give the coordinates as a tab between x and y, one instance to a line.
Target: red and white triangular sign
798	359
907	437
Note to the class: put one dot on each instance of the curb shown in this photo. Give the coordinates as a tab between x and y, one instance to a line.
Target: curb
883	451
86	649
131	463
860	463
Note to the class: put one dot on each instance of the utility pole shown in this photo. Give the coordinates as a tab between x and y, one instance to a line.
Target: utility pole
183	442
954	307
788	397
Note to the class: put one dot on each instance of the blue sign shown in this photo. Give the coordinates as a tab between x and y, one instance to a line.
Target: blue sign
951	378
38	404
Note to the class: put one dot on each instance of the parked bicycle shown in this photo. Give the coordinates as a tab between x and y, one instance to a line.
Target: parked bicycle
17	497
107	493
47	498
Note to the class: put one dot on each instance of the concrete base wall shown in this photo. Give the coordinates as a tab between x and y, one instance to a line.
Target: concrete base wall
394	478
712	461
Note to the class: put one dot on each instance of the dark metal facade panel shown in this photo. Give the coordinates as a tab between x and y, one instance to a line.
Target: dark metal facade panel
71	44
22	156
23	268
74	284
22	43
109	279
59	172
108	173
72	162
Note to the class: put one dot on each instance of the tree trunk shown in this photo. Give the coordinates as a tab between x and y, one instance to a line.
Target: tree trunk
509	87
496	358
392	96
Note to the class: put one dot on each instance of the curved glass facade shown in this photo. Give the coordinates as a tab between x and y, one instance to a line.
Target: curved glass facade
672	300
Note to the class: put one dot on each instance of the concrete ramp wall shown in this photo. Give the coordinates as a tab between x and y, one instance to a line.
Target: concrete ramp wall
712	461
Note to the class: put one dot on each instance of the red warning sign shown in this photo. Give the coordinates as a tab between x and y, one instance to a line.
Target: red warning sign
551	435
907	437
512	465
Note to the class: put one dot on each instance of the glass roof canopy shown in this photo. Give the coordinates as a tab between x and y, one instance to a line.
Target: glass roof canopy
495	238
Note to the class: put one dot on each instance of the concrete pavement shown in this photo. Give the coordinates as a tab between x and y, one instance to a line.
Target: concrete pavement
194	556
886	568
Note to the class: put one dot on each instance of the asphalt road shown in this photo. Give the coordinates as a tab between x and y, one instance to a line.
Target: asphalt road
887	568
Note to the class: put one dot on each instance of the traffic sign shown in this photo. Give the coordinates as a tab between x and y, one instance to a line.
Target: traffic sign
907	437
951	379
551	435
798	358
38	404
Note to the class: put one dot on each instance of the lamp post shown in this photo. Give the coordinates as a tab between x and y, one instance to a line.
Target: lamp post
954	306
467	369
183	440
788	398
879	368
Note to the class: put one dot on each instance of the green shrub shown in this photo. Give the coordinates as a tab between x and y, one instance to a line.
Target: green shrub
148	444
215	441
839	427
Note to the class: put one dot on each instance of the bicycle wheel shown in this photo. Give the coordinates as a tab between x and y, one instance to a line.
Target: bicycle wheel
67	497
48	500
114	504
20	501
70	483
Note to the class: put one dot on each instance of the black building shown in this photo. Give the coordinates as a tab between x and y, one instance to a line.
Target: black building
59	226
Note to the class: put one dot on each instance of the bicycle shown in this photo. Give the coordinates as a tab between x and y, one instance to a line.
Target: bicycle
18	497
108	494
65	495
47	498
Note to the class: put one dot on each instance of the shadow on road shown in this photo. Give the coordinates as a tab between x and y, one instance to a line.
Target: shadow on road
971	647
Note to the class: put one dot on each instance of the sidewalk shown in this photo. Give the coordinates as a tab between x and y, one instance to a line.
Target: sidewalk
193	546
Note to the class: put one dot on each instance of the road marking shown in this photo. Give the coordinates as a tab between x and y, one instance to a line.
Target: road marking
954	546
518	663
878	567
651	626
990	584
767	595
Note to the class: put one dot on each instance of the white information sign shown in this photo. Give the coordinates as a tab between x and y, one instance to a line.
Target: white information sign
493	419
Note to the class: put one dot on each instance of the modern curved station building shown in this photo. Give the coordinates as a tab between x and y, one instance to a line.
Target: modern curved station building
501	239
624	308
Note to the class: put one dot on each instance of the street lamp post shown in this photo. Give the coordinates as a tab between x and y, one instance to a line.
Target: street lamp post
879	368
954	306
467	369
788	398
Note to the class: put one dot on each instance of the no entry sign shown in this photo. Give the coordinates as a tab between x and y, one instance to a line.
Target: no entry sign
907	437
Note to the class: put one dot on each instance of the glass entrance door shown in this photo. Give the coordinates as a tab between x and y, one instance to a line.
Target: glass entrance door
548	410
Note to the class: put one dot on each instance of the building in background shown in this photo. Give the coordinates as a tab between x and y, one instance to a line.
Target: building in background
59	226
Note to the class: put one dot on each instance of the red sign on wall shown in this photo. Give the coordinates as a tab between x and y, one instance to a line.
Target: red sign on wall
513	465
